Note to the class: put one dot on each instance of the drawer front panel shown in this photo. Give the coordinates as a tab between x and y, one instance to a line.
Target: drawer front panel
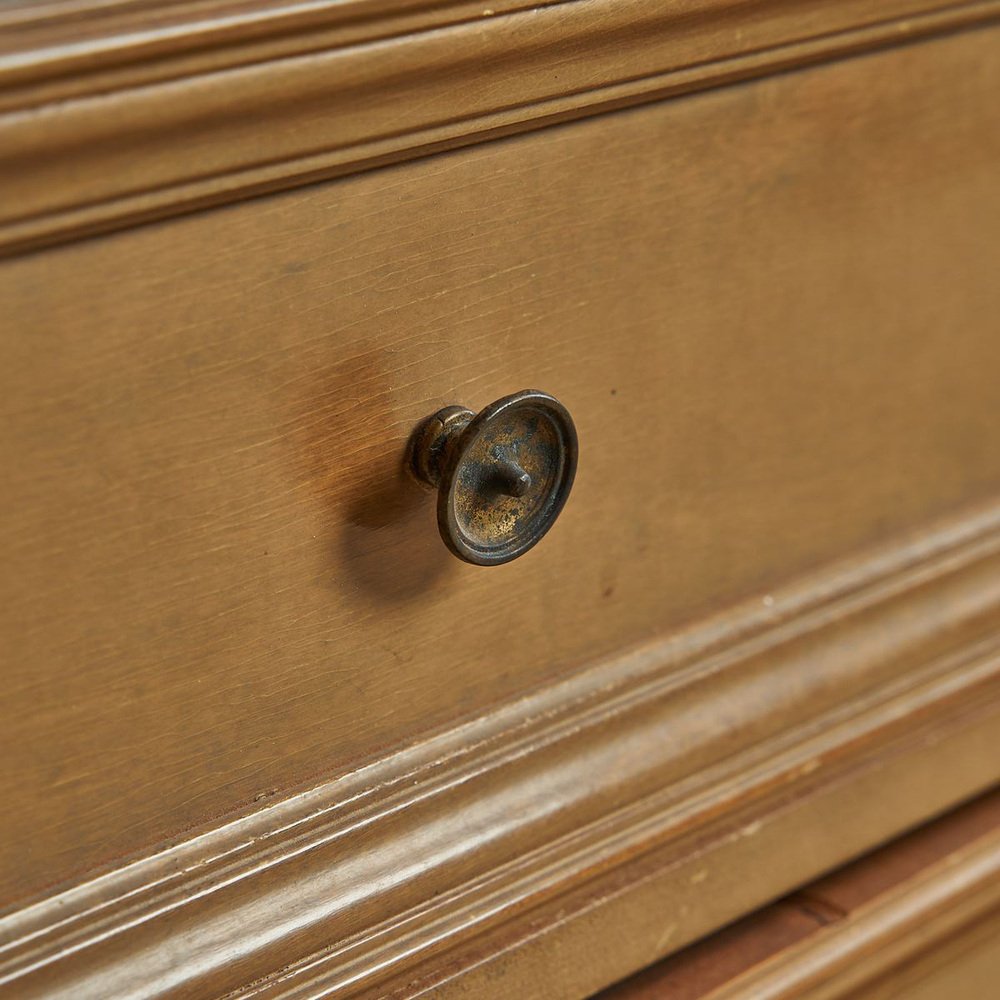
767	307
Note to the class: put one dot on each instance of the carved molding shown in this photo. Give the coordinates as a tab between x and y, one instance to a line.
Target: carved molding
113	117
775	740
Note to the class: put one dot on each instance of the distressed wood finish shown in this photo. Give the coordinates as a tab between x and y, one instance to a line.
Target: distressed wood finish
919	918
255	715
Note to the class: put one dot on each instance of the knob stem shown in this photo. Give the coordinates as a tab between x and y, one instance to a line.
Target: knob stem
430	447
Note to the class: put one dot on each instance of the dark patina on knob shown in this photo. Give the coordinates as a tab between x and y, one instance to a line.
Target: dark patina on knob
502	475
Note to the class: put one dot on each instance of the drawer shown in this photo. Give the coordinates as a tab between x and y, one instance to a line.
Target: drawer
227	613
917	918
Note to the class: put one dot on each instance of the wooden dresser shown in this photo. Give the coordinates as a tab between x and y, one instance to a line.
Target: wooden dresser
264	735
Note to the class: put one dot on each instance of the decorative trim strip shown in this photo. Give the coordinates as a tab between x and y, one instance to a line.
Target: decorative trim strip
379	881
65	49
140	124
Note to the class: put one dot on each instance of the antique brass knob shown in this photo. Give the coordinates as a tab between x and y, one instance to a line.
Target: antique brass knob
502	475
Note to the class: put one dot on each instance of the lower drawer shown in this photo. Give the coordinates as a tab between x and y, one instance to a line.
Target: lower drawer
919	919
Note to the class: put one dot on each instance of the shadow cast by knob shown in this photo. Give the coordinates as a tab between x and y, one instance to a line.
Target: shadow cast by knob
389	542
379	526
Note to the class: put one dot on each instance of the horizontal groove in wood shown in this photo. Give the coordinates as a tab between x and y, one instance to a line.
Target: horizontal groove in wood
122	147
61	49
459	835
51	53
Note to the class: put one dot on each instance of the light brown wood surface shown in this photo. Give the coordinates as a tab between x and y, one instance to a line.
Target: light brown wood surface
765	310
255	715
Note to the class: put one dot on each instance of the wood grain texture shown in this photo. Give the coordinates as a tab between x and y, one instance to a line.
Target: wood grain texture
208	102
918	918
218	585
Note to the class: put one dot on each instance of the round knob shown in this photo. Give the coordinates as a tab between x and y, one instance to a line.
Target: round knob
502	475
